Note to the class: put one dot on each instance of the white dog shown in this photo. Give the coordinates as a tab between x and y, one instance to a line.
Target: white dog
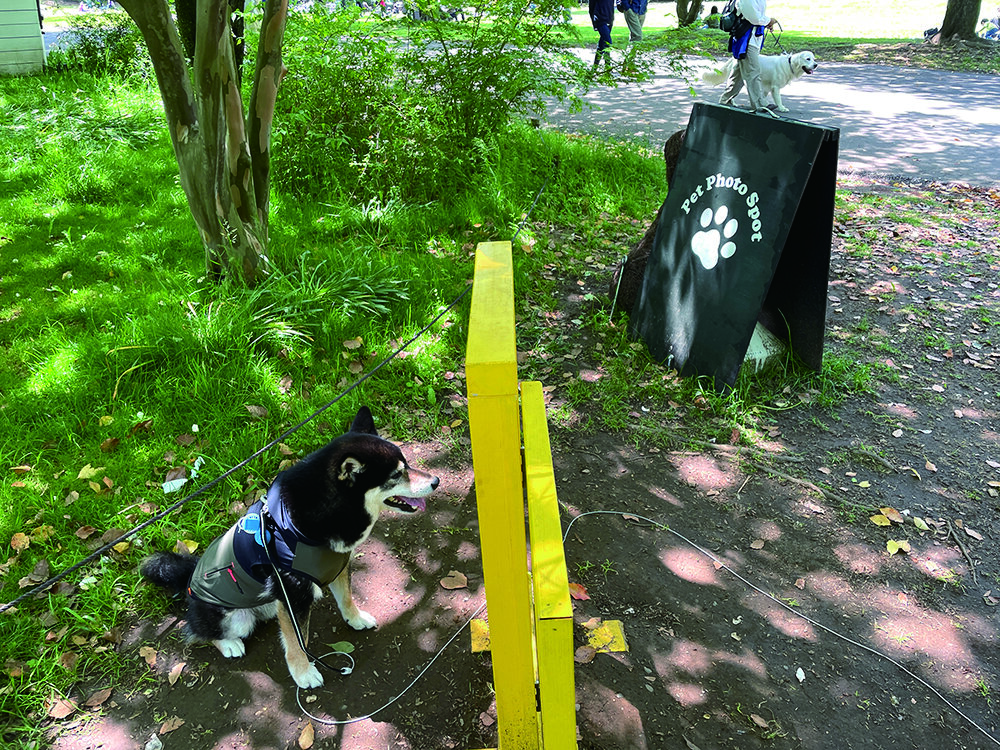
776	71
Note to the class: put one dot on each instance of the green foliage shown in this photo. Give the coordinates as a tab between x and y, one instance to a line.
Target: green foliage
107	42
366	114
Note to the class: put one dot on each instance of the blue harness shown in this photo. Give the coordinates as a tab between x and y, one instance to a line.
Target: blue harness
233	570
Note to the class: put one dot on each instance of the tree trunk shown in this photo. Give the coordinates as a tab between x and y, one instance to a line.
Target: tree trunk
224	171
688	11
960	20
626	282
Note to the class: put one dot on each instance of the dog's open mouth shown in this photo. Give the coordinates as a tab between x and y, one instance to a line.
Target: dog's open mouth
808	70
407	504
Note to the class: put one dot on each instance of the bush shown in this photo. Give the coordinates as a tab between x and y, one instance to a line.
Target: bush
407	109
102	43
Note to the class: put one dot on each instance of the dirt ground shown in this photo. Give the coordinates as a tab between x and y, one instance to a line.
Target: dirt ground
769	614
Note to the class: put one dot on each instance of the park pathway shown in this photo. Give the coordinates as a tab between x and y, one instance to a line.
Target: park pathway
911	123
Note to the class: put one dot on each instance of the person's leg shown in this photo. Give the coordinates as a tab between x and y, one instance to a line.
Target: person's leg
634	22
750	69
603	45
734	83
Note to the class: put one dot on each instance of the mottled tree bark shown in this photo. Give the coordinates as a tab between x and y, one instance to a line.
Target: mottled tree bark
222	151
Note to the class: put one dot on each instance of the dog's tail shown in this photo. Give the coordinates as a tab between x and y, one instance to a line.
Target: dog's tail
716	76
169	570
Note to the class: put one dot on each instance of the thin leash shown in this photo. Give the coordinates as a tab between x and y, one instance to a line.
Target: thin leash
777	38
204	488
265	525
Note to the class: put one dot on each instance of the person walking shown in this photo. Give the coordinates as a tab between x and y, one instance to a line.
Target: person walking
745	43
635	17
602	15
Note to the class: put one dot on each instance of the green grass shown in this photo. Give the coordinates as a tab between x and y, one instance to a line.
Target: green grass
121	363
116	354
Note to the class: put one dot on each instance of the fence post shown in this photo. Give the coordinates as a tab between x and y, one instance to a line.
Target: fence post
550	581
491	373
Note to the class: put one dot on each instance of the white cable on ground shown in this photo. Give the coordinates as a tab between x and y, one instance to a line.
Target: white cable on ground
333	722
748	584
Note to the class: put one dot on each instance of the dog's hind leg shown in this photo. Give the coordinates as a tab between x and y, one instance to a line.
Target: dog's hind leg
341	590
303	671
237	624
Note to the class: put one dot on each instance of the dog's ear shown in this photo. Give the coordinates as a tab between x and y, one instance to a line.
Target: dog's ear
363	422
350	470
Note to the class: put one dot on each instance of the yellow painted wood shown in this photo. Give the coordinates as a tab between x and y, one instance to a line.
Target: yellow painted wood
494	426
491	352
608	637
548	562
550	581
480	636
556	688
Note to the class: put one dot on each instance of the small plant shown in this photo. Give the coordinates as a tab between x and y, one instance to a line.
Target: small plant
983	688
583	568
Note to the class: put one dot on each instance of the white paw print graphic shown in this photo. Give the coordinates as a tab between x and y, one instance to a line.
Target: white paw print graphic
709	244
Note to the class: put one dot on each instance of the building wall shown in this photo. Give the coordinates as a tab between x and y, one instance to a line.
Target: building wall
21	48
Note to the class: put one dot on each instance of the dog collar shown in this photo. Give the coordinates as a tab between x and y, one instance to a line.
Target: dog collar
790	67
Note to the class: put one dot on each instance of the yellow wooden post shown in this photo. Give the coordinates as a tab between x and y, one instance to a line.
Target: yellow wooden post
553	610
491	374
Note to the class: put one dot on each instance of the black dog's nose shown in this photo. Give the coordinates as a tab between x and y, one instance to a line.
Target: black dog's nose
434	483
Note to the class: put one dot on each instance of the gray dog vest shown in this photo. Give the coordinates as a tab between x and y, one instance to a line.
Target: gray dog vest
233	570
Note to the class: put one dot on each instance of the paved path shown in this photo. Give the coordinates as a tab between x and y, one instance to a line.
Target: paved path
893	121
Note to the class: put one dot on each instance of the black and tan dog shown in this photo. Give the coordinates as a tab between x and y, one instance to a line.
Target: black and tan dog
313	516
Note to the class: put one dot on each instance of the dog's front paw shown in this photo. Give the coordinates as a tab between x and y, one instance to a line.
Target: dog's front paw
231	648
361	620
308	678
783	109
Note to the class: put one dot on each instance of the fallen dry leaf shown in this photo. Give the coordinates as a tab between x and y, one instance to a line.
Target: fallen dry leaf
23	469
974	534
759	721
578	591
757	544
307	737
20	541
174	722
930	467
584	654
257	412
148	653
893	515
68	660
60	708
185	546
879	520
98	698
85	531
895	546
89	472
454	580
175	672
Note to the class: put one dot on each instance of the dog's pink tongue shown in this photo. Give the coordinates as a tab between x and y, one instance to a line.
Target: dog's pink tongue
419	503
